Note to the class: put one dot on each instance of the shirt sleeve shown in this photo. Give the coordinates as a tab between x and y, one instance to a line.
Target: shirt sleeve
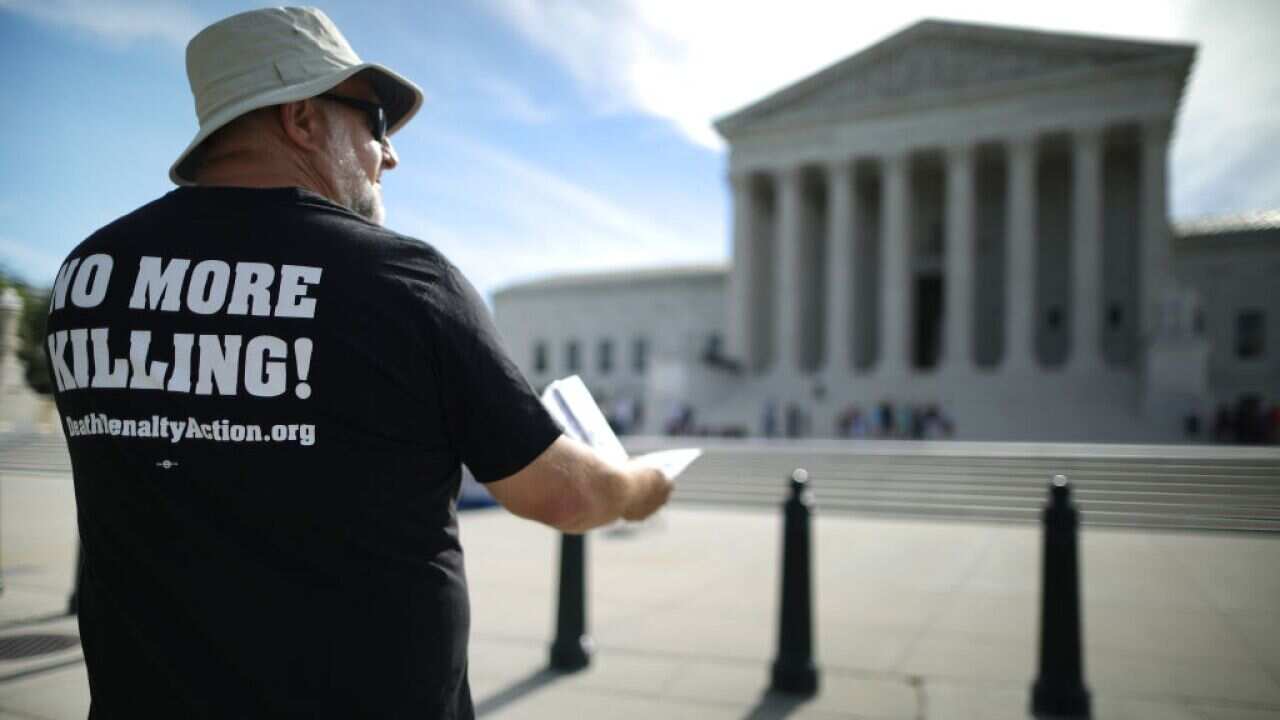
494	419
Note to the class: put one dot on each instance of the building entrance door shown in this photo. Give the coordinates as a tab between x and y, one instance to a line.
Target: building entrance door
928	320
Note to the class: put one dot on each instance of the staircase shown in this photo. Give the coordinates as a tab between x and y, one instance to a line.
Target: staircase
34	454
1150	486
1133	486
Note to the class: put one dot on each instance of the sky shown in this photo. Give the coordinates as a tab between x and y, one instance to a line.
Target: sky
558	135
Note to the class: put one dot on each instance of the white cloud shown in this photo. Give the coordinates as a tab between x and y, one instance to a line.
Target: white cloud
118	22
1226	157
514	101
32	265
690	63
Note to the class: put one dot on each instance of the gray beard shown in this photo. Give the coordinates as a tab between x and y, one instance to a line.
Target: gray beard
367	203
357	193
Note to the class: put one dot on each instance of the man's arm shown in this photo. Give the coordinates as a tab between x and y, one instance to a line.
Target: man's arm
571	488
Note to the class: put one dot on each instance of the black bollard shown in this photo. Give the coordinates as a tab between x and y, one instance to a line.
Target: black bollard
793	669
572	647
73	603
1059	690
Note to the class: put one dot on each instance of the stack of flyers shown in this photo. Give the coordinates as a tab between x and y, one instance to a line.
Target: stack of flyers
570	403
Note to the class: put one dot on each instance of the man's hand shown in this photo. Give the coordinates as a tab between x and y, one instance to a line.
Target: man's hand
573	489
652	490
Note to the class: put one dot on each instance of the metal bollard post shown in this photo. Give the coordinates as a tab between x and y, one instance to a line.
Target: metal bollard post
572	647
793	670
1059	689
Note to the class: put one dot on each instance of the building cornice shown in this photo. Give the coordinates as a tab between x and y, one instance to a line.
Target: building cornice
1132	57
1219	224
615	278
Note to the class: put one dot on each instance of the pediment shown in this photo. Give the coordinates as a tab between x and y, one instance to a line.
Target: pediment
933	58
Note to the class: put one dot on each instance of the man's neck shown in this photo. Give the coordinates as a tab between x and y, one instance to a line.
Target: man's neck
250	171
256	178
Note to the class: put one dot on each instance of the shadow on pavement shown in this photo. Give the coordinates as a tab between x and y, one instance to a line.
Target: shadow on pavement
775	706
524	686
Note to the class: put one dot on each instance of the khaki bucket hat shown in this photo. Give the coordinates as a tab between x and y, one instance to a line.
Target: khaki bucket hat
273	56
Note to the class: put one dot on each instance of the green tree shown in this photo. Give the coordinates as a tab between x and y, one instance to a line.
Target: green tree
31	332
31	337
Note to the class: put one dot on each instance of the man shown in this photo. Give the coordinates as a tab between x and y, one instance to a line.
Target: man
268	398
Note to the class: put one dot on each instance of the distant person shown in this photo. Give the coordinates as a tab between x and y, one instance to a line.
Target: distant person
637	414
680	421
624	414
844	421
858	425
770	421
266	464
797	421
884	422
915	421
1248	420
1191	425
1223	425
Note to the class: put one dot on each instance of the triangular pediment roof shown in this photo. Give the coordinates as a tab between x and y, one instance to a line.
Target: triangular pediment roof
937	58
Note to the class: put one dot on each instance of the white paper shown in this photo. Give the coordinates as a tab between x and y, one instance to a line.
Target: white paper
570	403
671	462
581	417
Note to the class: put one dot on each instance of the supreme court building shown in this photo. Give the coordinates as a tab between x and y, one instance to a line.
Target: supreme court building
969	216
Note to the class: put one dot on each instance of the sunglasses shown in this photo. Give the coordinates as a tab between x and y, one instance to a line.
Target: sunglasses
377	115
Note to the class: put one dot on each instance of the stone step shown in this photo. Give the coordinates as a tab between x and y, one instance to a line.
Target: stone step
987	513
819	463
1030	498
1152	487
1253	489
699	472
1034	493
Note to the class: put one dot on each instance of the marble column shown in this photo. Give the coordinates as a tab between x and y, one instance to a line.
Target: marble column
841	279
1155	262
895	306
741	339
787	316
961	220
1086	250
1020	252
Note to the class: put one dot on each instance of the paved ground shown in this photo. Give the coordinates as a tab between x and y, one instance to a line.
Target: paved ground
914	619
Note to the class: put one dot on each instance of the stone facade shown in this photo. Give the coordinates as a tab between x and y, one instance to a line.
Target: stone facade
961	215
1228	265
1232	265
635	337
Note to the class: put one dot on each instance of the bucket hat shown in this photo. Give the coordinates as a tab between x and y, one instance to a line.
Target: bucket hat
273	56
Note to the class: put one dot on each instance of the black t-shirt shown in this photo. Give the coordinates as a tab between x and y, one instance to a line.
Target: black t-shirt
267	401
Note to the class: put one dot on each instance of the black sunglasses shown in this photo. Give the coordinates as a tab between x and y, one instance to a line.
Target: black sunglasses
377	115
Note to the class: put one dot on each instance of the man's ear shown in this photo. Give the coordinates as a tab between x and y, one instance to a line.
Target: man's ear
303	123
